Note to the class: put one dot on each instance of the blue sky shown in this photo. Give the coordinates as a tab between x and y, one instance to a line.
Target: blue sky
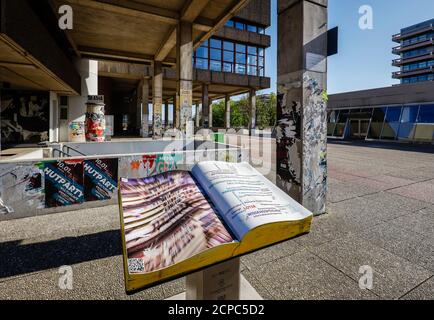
364	58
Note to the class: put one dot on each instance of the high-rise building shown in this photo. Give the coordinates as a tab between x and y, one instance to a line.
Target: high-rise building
416	51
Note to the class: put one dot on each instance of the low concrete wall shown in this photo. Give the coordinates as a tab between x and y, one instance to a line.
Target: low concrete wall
38	187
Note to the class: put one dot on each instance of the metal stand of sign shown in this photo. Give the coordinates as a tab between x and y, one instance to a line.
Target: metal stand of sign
220	282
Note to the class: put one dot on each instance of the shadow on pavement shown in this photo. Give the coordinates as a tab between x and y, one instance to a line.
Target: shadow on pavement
17	259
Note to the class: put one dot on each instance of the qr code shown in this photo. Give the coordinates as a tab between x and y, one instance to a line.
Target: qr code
136	265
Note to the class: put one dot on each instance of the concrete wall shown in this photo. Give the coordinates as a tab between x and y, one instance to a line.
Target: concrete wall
394	95
258	11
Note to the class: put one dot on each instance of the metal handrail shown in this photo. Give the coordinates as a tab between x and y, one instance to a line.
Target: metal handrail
60	153
69	148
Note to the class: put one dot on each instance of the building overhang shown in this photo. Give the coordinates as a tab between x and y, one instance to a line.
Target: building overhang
30	58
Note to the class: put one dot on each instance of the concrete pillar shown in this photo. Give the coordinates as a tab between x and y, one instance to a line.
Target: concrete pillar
197	115
301	152
252	106
157	100
166	114
227	112
174	116
210	113
145	108
205	106
184	46
54	117
88	70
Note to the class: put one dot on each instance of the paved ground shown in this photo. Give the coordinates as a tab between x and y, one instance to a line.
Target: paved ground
381	214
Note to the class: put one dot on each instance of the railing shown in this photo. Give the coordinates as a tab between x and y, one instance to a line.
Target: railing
60	153
67	150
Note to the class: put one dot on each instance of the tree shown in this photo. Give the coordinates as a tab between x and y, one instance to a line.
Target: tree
218	114
266	111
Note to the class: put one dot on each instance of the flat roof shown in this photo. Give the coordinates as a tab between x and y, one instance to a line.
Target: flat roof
401	94
417	26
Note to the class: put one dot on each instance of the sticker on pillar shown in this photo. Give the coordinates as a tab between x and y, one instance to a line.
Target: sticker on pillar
158	122
76	132
288	138
21	188
186	97
100	179
95	119
63	183
169	162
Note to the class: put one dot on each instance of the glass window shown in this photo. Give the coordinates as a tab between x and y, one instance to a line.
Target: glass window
332	122
261	62
228	67
425	124
341	123
251	50
252	28
228	46
239	25
202	52
230	23
391	124
377	123
252	60
241	58
228	56
240	68
408	123
215	65
241	48
252	71
261	72
216	54
261	52
201	63
215	43
261	30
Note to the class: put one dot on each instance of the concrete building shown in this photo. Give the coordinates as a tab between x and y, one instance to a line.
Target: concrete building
416	53
164	58
136	73
403	113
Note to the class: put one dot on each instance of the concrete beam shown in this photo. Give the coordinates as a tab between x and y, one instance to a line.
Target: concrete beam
301	151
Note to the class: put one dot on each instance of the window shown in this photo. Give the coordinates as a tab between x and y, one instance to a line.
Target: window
252	28
332	122
239	25
425	124
229	24
391	124
377	123
408	123
341	123
228	56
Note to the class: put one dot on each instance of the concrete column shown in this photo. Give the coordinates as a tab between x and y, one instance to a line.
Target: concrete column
174	116
301	152
252	106
157	100
54	117
184	46
145	108
166	114
205	107
197	115
210	113
88	70
227	112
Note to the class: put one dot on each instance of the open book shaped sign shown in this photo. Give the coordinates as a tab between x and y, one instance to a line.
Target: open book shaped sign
178	222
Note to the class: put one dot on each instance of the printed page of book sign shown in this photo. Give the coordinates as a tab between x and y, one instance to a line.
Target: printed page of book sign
177	222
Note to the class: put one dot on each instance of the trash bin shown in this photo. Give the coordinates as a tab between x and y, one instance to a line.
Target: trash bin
219	137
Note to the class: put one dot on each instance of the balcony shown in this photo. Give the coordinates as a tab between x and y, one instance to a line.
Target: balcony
399	36
415	72
399	49
400	61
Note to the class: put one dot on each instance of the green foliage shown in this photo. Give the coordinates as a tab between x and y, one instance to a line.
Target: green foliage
240	113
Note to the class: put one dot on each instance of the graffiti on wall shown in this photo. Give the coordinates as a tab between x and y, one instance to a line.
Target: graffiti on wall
289	144
21	188
24	116
315	146
147	165
63	183
95	122
100	179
